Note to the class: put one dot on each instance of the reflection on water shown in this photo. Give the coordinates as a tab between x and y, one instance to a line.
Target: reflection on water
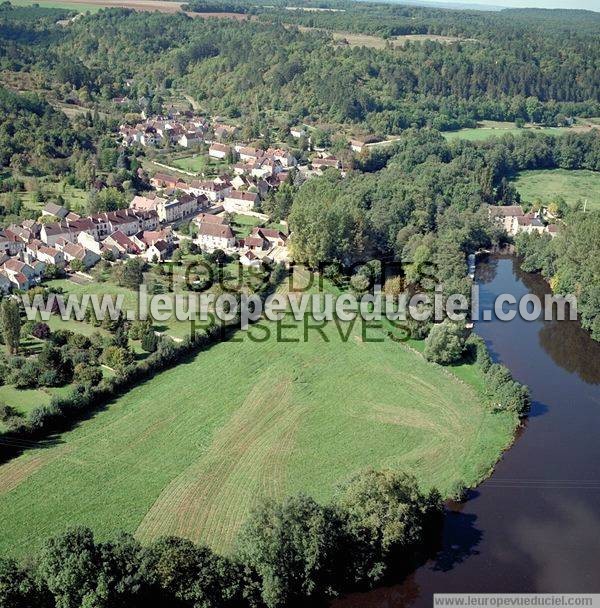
532	527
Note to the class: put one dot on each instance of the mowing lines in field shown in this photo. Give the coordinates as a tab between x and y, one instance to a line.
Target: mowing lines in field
245	462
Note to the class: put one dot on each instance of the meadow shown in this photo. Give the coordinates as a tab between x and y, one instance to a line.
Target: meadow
547	184
192	450
488	129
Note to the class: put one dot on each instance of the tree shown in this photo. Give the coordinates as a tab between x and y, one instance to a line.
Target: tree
387	519
150	341
190	575
10	322
69	565
445	343
117	358
19	589
296	547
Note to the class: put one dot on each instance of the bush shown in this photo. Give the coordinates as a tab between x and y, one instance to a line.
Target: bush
504	393
445	343
41	331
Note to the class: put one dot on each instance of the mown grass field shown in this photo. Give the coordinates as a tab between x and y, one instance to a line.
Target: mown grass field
571	185
192	450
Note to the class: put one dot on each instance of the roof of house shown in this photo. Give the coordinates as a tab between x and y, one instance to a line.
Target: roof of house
57	210
15	265
220	148
243	196
268	233
507	211
217	230
208	218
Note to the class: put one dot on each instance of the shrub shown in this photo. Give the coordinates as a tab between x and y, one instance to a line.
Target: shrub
445	343
41	331
150	341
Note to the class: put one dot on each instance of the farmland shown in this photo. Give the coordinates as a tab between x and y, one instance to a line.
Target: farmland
192	450
573	186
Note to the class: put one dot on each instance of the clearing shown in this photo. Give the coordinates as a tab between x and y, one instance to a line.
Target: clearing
573	186
490	128
192	450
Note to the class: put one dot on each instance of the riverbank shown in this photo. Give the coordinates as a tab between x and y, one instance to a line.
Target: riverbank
531	526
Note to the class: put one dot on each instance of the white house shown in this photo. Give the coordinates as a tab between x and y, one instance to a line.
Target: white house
219	151
215	236
238	201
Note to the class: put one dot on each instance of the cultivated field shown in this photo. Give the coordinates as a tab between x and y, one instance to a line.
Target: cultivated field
191	451
571	185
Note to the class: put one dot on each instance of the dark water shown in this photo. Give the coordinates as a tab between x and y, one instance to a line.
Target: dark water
534	526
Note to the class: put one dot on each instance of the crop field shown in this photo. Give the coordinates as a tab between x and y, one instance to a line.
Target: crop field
573	186
192	450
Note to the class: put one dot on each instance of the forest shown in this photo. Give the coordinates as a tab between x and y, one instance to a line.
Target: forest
539	68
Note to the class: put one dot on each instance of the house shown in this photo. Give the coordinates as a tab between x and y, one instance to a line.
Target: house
11	243
5	283
54	210
50	255
122	243
272	236
180	207
361	143
51	233
26	274
207	218
146	203
89	242
223	131
256	242
320	164
238	201
283	156
162	180
250	154
219	151
20	281
215	236
507	217
75	251
298	132
250	259
191	138
211	190
157	252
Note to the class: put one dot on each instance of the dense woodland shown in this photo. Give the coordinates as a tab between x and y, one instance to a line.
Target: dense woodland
542	67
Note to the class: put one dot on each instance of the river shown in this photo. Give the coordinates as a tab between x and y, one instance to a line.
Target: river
534	526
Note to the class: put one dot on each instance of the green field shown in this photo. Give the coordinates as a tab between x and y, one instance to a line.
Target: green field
488	129
192	450
198	163
571	185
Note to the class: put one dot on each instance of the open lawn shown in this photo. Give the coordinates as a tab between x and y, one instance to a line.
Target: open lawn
192	450
571	185
198	163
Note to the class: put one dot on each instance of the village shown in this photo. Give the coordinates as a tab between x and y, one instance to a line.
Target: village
149	226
